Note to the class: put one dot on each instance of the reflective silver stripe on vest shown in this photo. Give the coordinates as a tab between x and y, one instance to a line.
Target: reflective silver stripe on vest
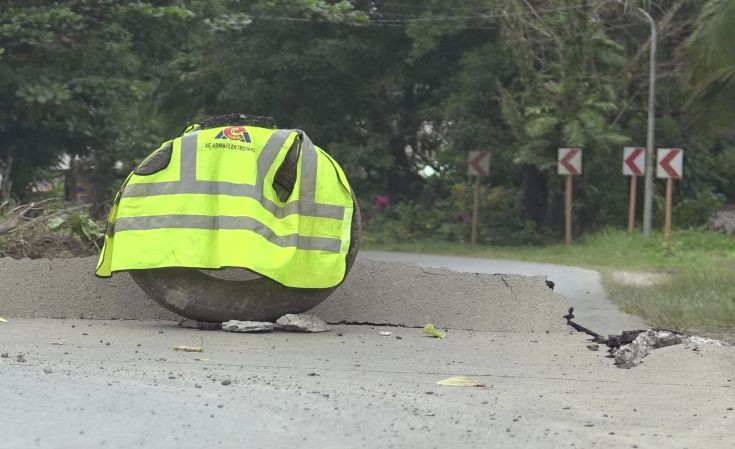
226	222
269	153
307	188
189	185
301	207
188	156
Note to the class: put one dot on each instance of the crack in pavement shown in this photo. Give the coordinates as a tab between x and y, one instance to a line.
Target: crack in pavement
502	277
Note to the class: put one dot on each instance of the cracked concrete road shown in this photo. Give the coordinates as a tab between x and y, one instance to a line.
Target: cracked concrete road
119	384
77	384
582	287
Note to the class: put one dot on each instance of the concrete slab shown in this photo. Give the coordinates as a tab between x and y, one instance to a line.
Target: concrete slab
67	288
408	295
375	292
581	287
119	384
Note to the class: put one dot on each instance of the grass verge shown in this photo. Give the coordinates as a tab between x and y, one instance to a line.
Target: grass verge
697	299
698	295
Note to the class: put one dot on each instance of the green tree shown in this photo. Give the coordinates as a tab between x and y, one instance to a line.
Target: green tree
74	79
710	51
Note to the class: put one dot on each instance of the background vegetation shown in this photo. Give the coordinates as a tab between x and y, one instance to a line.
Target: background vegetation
398	91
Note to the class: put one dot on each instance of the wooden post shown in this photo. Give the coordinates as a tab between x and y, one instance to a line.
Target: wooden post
667	215
631	205
568	212
475	209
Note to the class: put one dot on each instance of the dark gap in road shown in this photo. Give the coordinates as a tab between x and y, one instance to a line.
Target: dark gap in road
402	326
367	323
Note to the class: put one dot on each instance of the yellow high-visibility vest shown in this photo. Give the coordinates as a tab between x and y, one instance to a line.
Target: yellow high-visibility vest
214	205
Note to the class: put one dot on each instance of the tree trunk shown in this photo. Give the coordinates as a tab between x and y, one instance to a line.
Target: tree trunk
555	213
534	191
101	179
70	181
401	179
6	183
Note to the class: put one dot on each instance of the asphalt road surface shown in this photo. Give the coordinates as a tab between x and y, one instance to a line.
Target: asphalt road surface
582	287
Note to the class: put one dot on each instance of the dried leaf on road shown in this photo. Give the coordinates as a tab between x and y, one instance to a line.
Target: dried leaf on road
431	330
460	381
201	359
189	348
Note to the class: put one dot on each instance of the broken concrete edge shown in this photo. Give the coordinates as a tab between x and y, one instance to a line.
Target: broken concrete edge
200	325
284	326
207	326
297	322
630	348
247	326
633	353
289	323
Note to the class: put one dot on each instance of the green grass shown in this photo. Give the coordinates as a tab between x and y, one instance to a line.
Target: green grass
698	295
698	298
605	250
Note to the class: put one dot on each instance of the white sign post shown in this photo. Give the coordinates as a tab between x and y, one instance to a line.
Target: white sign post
670	166
569	164
634	163
478	166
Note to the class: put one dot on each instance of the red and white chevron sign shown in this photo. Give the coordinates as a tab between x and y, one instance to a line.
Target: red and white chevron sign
670	163
479	163
634	161
570	161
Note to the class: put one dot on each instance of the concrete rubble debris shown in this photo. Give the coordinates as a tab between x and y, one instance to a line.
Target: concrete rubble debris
632	354
385	333
247	326
301	323
704	341
193	324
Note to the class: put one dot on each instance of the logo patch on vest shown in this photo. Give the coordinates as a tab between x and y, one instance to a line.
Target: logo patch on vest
237	133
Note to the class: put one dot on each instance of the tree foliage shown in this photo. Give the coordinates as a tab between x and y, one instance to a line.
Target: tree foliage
73	77
397	91
710	50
